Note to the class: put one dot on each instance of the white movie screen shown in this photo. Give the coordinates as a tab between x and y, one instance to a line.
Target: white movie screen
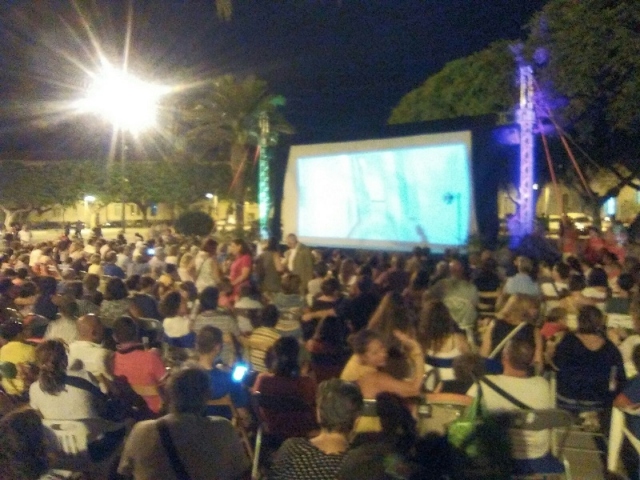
381	194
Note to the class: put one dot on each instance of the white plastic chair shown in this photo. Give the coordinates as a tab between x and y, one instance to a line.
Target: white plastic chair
617	432
69	442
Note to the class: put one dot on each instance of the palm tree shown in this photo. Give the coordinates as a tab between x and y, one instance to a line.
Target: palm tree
224	118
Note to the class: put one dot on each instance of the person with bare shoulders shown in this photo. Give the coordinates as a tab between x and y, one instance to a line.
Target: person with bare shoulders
369	358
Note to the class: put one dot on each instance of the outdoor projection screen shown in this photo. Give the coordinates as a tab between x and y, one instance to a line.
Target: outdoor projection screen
381	194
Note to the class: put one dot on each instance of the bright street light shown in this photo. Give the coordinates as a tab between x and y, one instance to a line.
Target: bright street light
209	195
129	103
89	199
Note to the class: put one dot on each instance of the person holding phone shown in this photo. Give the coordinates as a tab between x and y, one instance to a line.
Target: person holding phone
208	346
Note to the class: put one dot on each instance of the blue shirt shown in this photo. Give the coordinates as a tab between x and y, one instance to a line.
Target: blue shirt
523	284
112	270
221	385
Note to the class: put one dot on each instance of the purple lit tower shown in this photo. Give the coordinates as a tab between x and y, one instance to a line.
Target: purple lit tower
526	117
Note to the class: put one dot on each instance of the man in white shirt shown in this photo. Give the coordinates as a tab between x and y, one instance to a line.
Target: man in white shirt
517	357
35	255
25	235
86	352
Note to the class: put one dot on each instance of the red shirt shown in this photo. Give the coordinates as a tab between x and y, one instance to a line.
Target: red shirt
142	368
240	263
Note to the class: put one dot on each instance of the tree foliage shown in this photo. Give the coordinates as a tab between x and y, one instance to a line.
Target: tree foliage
479	84
28	187
586	55
222	121
194	223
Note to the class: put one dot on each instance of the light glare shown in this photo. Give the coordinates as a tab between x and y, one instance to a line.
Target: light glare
124	100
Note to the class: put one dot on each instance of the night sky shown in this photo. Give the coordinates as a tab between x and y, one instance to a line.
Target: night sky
338	63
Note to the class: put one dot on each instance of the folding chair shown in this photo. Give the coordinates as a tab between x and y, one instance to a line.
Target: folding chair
440	410
235	421
271	408
617	433
487	303
152	330
554	420
69	444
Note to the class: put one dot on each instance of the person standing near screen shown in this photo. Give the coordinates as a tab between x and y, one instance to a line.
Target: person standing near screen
298	260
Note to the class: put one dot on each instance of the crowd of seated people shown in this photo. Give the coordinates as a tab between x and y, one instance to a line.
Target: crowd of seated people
120	321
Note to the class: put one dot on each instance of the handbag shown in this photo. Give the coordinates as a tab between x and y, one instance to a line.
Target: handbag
461	432
480	444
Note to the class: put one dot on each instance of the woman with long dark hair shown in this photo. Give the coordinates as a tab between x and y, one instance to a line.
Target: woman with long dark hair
441	339
59	394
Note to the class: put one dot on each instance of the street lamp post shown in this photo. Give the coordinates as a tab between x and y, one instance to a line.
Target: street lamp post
128	103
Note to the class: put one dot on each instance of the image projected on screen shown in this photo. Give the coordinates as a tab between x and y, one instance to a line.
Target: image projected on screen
407	195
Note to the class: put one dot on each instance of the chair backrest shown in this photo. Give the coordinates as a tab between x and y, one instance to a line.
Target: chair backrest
152	329
441	409
537	420
284	416
280	403
487	303
68	442
617	433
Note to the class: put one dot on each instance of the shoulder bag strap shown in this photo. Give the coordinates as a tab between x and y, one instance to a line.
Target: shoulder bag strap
176	464
83	384
504	394
504	341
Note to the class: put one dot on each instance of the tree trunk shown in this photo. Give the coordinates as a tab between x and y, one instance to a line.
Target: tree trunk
10	216
238	167
145	214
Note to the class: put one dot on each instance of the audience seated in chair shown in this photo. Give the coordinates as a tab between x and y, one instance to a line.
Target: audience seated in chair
15	350
202	445
142	368
210	314
23	452
535	392
338	405
370	356
209	341
286	380
328	348
441	339
392	451
590	370
263	338
86	353
59	394
178	328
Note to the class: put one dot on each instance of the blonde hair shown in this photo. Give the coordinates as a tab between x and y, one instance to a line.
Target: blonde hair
519	306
